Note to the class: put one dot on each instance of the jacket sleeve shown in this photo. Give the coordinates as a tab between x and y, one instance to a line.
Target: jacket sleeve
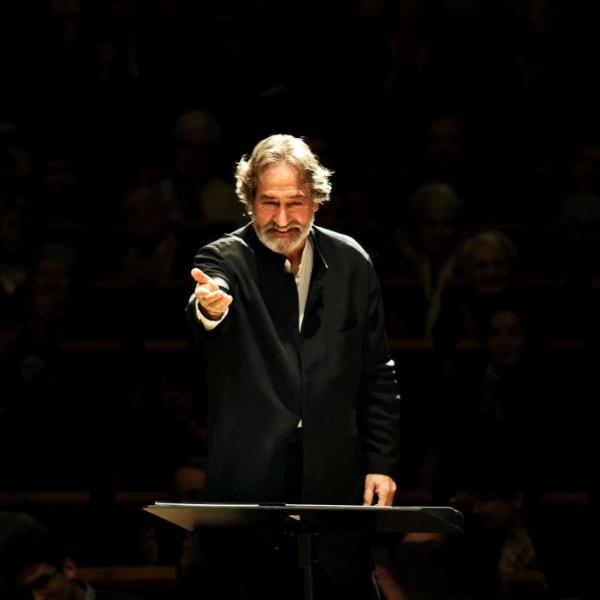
380	398
209	260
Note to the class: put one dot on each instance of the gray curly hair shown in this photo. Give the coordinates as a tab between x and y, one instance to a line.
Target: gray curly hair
282	149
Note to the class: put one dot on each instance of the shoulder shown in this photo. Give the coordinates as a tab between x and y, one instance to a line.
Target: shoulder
230	244
334	242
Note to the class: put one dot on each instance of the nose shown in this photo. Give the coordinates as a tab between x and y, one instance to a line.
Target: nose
281	218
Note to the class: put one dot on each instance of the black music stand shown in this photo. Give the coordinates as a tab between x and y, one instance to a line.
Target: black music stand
307	519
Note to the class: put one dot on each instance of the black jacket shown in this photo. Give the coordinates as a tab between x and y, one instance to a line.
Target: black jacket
263	374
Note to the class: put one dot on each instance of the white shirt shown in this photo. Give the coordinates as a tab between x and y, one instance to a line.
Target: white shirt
302	278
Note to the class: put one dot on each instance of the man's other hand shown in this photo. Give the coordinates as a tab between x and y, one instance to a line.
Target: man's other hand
381	486
212	300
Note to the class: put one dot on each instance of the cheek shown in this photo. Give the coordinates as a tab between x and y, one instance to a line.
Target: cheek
261	218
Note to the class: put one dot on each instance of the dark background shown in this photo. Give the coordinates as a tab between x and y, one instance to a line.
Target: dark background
120	124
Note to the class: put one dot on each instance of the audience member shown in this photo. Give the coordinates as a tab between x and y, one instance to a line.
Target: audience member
152	250
427	250
196	192
500	405
43	423
500	544
160	542
488	262
35	564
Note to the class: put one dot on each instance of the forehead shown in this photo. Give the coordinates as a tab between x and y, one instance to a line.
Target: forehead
280	176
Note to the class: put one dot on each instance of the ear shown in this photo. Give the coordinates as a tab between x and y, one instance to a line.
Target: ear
316	206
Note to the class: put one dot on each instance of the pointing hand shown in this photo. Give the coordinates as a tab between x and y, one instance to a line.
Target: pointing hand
212	300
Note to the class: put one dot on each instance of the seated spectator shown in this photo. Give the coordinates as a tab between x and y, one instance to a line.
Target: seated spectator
43	405
499	404
427	250
34	564
500	544
195	191
50	299
152	251
161	542
488	261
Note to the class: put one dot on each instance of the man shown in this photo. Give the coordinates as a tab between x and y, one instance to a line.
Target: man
303	401
34	564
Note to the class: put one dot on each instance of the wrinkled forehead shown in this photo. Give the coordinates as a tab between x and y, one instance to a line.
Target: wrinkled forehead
282	176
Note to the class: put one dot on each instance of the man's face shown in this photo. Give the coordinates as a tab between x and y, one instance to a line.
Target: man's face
282	211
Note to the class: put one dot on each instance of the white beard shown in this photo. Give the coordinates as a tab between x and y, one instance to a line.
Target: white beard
285	246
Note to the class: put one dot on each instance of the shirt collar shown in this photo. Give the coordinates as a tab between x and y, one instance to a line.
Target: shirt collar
305	259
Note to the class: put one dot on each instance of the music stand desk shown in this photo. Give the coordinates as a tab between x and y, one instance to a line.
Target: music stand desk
306	519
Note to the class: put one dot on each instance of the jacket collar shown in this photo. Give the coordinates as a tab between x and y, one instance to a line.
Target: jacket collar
276	260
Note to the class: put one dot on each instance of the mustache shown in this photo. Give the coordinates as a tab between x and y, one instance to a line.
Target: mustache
290	227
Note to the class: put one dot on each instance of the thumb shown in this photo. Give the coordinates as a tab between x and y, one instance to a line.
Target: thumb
200	277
